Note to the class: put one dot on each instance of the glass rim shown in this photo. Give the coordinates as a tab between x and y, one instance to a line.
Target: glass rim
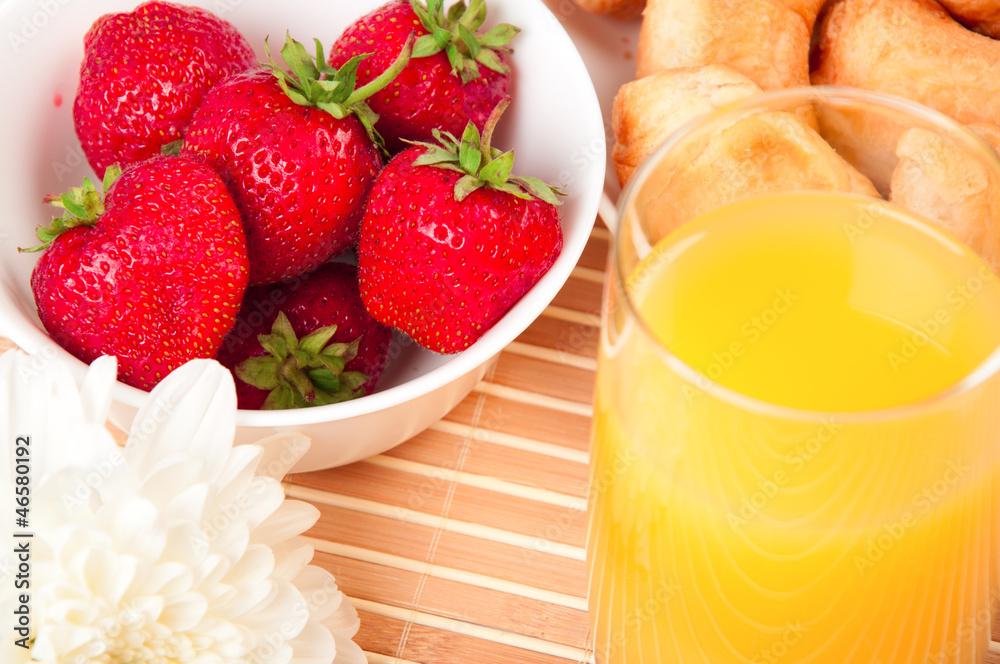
831	95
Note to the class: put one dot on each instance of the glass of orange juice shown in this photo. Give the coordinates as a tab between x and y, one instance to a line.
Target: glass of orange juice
797	429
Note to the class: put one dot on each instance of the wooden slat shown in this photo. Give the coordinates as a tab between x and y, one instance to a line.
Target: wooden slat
432	646
532	565
452	599
563	336
521	419
581	295
544	377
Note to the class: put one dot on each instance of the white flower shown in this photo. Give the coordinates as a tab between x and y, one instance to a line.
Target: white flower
177	548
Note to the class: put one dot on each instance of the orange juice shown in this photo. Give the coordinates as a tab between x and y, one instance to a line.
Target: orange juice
809	475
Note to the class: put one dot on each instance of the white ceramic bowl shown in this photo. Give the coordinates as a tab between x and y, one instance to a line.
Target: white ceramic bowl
554	124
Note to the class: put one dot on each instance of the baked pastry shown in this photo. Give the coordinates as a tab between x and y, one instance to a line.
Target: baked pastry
944	184
765	153
983	16
648	110
620	8
911	48
765	40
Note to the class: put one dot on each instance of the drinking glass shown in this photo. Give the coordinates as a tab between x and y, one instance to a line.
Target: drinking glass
797	426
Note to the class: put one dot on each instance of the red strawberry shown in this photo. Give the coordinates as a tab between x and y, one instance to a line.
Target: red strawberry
295	152
143	76
153	274
324	299
450	240
456	75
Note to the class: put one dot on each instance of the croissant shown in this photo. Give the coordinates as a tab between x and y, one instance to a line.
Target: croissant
620	8
766	153
765	40
945	185
911	48
648	110
980	15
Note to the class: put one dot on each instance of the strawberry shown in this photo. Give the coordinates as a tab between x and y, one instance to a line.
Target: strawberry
153	273
324	301
450	240
144	74
456	74
298	155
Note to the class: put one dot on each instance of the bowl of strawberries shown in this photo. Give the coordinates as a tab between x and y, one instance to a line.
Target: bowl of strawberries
352	206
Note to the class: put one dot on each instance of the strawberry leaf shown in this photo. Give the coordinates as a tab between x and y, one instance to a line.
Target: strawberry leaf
490	59
501	35
83	205
456	11
498	170
300	373
426	45
280	398
260	371
353	380
469	39
332	363
481	164
283	328
457	34
539	189
314	342
274	344
325	379
312	82
466	185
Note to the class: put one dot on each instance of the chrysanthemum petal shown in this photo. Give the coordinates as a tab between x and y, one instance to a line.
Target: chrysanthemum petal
281	452
135	525
107	574
293	518
315	645
319	589
182	613
291	557
95	392
192	410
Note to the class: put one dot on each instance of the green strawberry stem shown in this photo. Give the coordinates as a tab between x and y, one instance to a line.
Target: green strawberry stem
481	164
300	373
83	205
456	34
313	82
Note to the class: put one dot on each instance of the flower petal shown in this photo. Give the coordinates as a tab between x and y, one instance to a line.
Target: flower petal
183	613
281	452
135	525
315	645
168	578
108	575
348	652
95	392
291	557
294	517
192	411
320	591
